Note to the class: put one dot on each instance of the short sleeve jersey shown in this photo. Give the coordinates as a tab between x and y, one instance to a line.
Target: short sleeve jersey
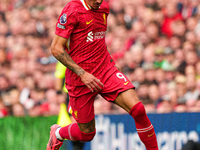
85	28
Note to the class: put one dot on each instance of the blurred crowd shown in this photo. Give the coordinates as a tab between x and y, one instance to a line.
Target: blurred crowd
156	43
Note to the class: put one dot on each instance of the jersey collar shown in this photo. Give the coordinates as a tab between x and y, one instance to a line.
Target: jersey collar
87	7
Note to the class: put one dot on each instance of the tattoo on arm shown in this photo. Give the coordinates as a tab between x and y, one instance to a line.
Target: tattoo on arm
66	60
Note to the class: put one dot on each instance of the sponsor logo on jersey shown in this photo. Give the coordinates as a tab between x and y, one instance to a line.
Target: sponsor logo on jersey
90	37
95	36
63	19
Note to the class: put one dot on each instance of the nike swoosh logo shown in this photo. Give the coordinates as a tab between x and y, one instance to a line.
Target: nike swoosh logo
151	134
126	83
88	22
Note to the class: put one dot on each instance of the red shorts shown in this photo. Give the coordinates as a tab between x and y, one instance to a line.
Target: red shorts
82	99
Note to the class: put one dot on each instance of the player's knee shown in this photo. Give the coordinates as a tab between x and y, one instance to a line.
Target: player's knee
138	110
86	137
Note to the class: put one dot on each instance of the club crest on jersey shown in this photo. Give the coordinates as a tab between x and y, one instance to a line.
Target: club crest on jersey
63	19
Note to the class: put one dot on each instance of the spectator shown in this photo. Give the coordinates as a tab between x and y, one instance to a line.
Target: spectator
181	88
3	109
192	93
171	16
159	76
191	58
165	105
18	110
154	95
187	8
139	77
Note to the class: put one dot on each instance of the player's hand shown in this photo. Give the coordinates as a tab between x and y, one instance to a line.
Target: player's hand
91	82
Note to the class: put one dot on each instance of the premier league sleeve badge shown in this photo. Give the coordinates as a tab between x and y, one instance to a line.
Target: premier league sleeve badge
63	19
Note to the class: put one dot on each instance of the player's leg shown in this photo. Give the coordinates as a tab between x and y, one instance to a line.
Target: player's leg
118	89
77	131
129	101
83	112
76	145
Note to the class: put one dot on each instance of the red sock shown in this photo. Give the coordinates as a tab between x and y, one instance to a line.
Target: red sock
73	133
144	127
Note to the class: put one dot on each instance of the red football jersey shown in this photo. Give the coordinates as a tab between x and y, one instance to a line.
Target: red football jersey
85	28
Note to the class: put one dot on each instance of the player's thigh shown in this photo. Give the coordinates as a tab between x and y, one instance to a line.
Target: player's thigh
115	82
81	105
119	89
127	99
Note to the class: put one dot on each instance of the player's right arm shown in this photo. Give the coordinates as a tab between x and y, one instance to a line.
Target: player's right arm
58	47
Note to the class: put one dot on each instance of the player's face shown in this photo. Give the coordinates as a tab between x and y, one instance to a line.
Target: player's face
94	3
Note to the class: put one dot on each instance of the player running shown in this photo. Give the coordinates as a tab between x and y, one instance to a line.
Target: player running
79	44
